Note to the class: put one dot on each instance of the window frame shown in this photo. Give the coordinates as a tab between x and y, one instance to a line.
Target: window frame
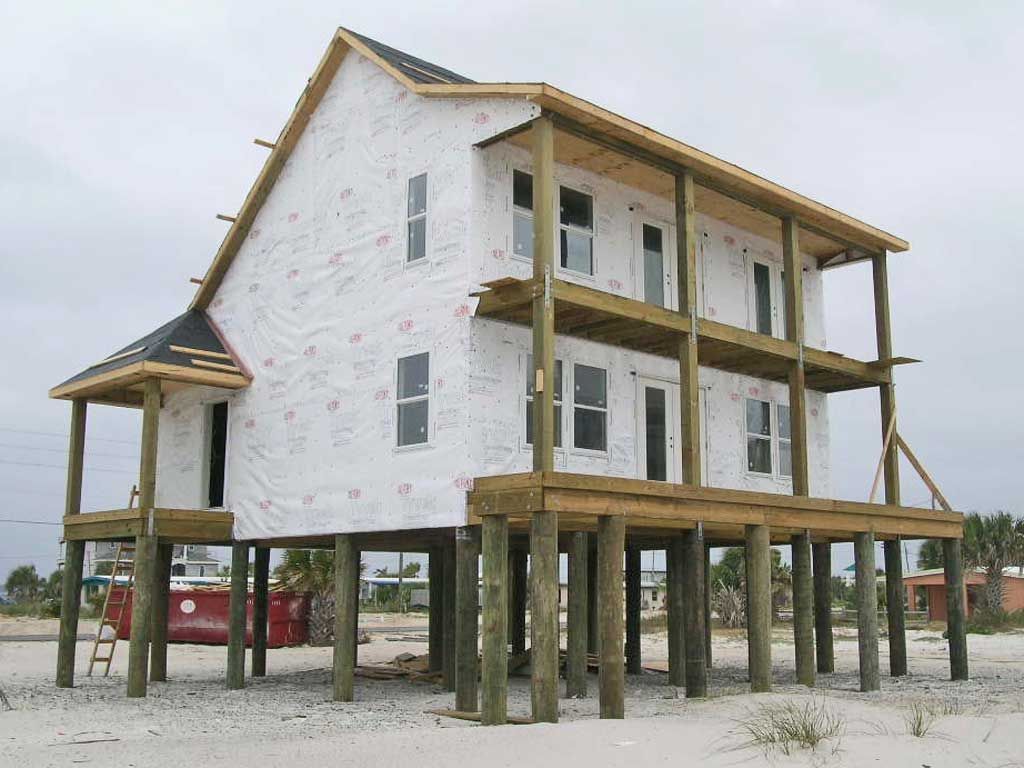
410	218
780	440
668	254
606	410
560	227
776	298
204	489
770	438
525	372
399	401
519	211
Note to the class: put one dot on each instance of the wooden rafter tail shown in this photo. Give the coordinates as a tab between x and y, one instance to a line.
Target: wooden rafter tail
265	144
223	217
923	473
881	459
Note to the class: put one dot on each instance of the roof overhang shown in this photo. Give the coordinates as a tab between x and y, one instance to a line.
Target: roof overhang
124	386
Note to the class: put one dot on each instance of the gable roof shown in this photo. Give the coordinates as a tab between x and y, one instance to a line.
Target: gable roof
740	188
186	349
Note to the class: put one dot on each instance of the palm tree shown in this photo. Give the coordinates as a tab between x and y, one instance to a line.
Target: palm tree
304	570
24	584
992	543
930	555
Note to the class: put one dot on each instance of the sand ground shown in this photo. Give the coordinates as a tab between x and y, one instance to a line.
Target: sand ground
288	719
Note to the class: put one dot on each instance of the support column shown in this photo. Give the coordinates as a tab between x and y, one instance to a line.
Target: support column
707	605
74	552
544	616
518	586
689	388
145	545
794	282
236	614
867	610
448	649
611	539
824	651
435	617
674	554
956	628
593	626
693	590
467	667
803	609
346	615
759	607
494	670
543	304
161	609
260	610
576	618
894	608
634	596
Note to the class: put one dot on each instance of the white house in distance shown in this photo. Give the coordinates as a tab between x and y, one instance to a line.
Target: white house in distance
450	311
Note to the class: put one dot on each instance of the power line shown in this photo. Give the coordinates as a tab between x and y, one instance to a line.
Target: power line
63	466
27	522
65	450
65	435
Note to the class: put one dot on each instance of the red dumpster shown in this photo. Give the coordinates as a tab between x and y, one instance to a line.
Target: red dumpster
201	616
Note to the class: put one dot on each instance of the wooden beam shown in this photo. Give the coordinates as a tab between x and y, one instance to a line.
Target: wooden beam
759	608
150	428
689	385
634	597
895	594
200	352
693	585
543	302
265	144
161	611
494	668
74	553
260	610
467	664
794	312
883	461
675	553
142	613
955	618
923	473
886	391
236	615
803	609
867	610
611	533
346	615
448	605
435	625
544	616
823	642
576	619
223	217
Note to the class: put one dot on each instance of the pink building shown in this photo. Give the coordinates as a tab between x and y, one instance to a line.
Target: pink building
930	588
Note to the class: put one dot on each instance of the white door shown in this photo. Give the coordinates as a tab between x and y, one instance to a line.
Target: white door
655	263
657	453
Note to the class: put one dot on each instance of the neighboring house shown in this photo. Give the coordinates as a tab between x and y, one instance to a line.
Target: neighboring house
652	594
186	560
926	591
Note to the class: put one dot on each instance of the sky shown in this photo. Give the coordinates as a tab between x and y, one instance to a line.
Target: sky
125	127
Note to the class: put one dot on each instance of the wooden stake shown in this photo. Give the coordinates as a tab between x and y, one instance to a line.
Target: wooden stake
467	666
576	640
346	615
142	616
803	609
634	595
611	540
74	552
544	616
693	591
867	610
236	615
161	609
956	625
824	650
759	608
260	610
674	555
494	671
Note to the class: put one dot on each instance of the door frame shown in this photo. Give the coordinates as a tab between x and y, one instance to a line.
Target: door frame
668	250
673	456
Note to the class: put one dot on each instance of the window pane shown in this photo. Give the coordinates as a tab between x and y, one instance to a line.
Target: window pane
763	298
652	238
785	458
654	418
759	417
417	239
783	422
654	275
522	235
412	423
576	209
577	252
590	386
531	378
413	375
522	190
529	424
418	195
759	455
589	429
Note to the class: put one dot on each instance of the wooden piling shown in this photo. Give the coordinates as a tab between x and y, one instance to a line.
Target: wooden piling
74	552
494	670
467	666
576	619
236	615
867	610
593	626
956	627
518	588
161	610
803	609
823	644
544	616
894	610
448	649
759	607
435	617
611	540
707	605
260	610
675	599
142	616
346	615
634	595
696	672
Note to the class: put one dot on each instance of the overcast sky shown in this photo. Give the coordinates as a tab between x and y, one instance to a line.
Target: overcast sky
125	127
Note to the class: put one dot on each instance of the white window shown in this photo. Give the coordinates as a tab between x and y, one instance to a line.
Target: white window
576	230
759	436
590	408
416	245
785	441
530	382
522	215
413	399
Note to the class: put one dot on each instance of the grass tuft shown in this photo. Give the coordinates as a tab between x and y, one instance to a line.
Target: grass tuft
788	726
919	719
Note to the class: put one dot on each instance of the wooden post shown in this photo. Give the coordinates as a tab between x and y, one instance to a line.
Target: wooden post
346	615
142	616
518	586
494	670
544	616
793	268
161	609
759	607
611	539
634	596
467	667
803	609
357	557
895	615
576	618
707	605
448	650
260	610
689	387
593	626
693	591
74	552
867	610
236	614
823	646
956	628
543	303
674	554
435	626
145	545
